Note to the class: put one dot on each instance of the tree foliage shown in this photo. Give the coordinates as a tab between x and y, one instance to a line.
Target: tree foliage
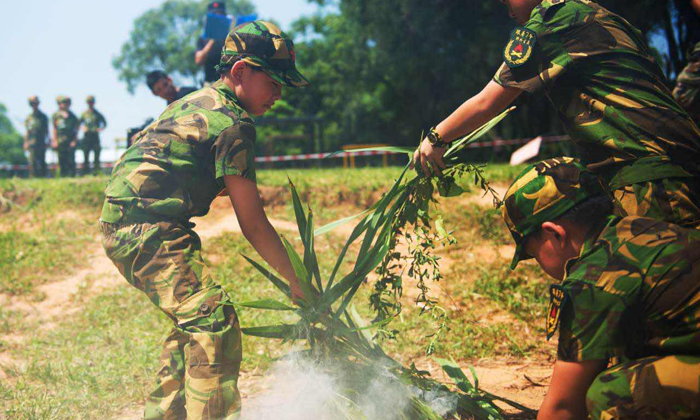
165	38
11	150
383	71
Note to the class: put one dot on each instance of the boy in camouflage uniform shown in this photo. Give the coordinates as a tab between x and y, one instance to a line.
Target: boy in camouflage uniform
599	73
629	294
92	122
37	126
65	135
200	147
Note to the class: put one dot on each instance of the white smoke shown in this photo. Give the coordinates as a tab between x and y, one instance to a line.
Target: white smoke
299	389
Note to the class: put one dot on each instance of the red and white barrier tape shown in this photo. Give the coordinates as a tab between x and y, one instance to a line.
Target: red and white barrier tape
315	156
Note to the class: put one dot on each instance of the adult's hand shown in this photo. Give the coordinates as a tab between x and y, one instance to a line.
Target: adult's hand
429	158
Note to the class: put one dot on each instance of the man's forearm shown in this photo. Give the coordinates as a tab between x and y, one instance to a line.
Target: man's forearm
477	111
268	244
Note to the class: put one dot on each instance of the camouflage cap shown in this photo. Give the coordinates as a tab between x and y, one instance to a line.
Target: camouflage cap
33	99
543	192
90	98
60	99
263	45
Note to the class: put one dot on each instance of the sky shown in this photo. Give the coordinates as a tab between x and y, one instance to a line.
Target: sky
65	47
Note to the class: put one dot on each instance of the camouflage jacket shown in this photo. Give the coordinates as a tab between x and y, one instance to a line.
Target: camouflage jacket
175	167
92	120
632	292
66	125
610	93
37	126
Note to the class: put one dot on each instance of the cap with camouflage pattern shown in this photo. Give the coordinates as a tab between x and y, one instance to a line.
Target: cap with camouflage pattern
543	192
60	99
90	98
33	99
265	46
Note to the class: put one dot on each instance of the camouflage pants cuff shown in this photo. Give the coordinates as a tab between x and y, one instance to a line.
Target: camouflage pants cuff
211	378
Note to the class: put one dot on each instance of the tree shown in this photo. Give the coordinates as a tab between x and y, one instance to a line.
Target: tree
11	150
165	38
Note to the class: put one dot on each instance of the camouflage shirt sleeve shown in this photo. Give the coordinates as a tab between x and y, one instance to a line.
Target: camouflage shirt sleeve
555	30
234	152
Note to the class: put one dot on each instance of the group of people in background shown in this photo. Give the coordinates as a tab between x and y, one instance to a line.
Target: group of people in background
64	137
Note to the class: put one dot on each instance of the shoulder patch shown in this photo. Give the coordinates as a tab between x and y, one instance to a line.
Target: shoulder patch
520	46
557	299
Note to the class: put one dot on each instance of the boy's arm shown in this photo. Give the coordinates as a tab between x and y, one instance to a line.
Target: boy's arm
566	397
258	230
471	115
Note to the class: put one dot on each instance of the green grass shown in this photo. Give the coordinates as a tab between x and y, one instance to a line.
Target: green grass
103	358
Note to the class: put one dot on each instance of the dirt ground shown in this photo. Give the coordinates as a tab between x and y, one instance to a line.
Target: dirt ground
524	381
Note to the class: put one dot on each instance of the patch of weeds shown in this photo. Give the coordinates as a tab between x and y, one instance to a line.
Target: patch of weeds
28	259
11	321
523	292
109	360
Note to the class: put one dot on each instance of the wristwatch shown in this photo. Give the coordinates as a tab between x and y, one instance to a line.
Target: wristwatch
435	139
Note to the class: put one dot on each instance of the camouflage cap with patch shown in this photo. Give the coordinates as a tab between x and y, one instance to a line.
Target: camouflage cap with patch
90	98
60	99
33	99
543	192
263	45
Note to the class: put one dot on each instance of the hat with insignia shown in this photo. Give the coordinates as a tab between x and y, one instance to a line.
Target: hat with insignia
218	6
543	192
33	99
263	45
90	99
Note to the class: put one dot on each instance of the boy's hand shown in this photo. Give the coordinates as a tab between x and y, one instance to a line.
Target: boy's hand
429	158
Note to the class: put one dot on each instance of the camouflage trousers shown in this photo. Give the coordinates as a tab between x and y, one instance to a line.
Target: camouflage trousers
673	200
658	387
37	163
66	160
91	143
201	358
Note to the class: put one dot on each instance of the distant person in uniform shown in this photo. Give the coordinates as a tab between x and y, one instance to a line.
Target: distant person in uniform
626	301
599	73
162	86
92	123
209	50
687	90
65	135
36	139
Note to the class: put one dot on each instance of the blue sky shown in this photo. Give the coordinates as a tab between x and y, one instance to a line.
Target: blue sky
65	47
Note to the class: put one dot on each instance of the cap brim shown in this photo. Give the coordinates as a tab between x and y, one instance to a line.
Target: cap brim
291	78
520	255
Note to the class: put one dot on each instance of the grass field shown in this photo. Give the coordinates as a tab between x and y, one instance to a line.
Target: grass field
98	357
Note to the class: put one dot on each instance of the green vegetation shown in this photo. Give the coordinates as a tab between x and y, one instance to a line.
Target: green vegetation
46	228
101	359
11	150
383	71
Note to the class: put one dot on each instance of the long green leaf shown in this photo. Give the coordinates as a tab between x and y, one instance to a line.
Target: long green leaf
333	225
282	331
476	134
301	272
270	304
396	149
298	209
284	287
458	377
